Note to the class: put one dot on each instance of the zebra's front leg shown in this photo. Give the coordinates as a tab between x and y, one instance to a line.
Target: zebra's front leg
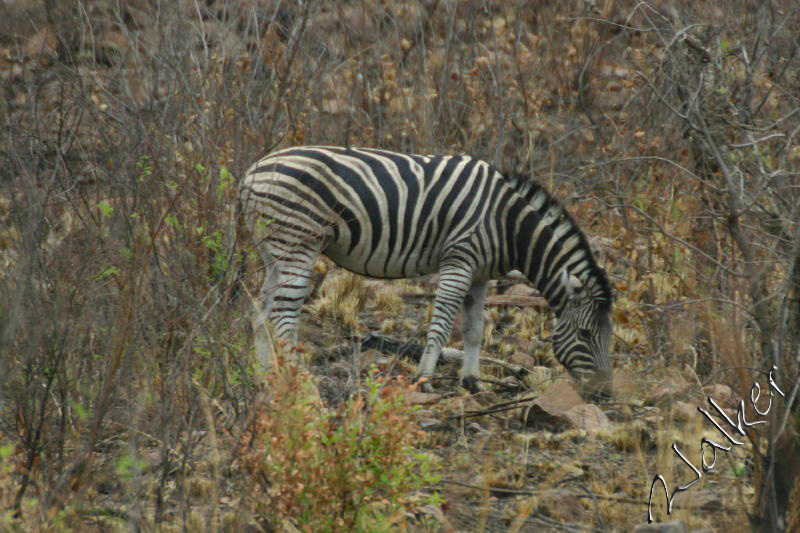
453	286
472	326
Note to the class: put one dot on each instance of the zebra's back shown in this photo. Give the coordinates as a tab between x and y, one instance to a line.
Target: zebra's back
374	212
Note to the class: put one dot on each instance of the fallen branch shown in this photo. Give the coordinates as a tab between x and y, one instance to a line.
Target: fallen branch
494	300
390	345
520	301
496	408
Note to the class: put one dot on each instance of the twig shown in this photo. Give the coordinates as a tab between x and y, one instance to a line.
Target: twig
757	141
496	408
453	355
642	158
390	345
521	492
614	24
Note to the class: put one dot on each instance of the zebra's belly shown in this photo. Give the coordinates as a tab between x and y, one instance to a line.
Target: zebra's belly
383	265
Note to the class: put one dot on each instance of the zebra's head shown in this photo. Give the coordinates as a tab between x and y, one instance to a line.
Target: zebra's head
582	336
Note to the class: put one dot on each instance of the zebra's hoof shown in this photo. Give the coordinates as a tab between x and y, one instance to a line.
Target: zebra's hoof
471	384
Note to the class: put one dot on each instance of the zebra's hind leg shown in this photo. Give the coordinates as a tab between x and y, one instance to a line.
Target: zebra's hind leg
472	320
454	282
262	307
286	286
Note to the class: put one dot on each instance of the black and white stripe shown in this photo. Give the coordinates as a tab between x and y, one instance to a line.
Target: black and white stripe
392	215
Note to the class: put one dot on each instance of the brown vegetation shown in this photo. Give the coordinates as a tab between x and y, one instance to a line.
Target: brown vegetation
128	398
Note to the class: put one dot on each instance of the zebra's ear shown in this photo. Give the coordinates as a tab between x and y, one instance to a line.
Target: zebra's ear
571	283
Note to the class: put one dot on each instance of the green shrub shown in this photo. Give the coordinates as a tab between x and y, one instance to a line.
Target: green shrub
353	468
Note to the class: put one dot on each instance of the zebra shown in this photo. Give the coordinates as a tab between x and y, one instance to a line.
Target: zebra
391	215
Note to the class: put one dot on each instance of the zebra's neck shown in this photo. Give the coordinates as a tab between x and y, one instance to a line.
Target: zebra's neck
547	241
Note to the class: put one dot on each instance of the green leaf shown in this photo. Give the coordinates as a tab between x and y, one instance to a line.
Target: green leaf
6	450
144	166
128	466
172	220
263	222
107	273
675	212
80	411
225	181
106	209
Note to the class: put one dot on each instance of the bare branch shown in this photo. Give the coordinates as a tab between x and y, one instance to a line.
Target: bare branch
678	239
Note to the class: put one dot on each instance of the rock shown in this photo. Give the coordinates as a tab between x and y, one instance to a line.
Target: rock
684	411
428	423
704	499
563	504
522	359
588	416
561	405
422	398
722	394
675	526
665	392
516	275
558	399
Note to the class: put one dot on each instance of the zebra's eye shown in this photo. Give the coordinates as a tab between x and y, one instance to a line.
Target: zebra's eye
584	335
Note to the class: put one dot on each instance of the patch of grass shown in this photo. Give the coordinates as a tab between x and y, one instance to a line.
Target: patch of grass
388	297
342	297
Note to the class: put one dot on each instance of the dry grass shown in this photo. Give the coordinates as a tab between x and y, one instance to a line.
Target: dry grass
342	298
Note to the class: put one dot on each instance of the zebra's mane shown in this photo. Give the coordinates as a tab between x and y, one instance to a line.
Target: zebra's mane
540	199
